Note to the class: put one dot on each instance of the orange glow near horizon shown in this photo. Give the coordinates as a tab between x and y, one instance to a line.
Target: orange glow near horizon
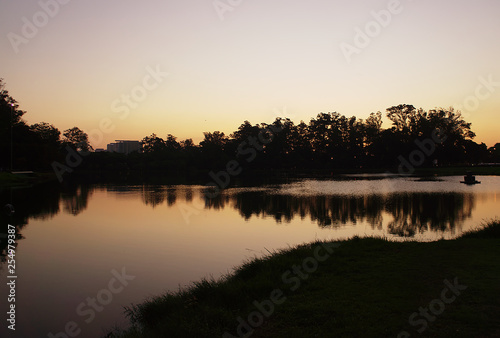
261	61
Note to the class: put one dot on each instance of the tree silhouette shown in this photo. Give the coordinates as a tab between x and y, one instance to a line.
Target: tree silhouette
214	140
171	143
495	153
34	148
77	139
327	142
47	132
152	144
187	144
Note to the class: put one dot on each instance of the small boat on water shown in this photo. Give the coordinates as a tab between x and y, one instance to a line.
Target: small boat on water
470	179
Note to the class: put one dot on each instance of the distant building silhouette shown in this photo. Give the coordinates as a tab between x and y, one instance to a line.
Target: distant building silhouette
124	146
99	150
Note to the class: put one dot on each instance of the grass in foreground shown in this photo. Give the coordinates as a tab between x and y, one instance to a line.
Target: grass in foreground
366	288
20	180
8	179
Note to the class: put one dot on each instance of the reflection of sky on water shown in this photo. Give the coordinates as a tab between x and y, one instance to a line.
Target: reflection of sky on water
170	235
363	185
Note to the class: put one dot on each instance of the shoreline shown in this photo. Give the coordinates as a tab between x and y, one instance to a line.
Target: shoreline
361	287
252	176
10	180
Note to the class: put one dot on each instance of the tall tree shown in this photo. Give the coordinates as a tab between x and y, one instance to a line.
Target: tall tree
403	117
171	143
153	144
216	139
47	132
187	144
77	139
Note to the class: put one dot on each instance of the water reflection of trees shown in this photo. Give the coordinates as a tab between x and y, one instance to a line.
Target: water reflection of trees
409	213
414	213
157	194
153	196
75	198
40	202
325	210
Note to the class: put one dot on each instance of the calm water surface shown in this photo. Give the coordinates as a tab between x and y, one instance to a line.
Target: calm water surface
163	237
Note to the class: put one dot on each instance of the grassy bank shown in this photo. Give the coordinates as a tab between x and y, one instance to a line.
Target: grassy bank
364	288
14	180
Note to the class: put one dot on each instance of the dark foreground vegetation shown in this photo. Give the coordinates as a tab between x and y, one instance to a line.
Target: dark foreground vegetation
367	287
329	142
19	180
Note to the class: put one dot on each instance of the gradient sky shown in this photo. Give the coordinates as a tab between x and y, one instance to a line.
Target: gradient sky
265	58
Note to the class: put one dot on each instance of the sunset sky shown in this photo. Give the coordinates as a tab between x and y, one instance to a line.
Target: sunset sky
75	64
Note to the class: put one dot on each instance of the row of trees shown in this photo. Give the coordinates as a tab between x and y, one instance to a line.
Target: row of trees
330	140
34	146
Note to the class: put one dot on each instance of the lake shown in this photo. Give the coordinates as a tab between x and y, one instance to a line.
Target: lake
86	251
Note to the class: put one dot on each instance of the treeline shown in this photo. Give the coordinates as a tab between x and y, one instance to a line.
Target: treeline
36	146
328	141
